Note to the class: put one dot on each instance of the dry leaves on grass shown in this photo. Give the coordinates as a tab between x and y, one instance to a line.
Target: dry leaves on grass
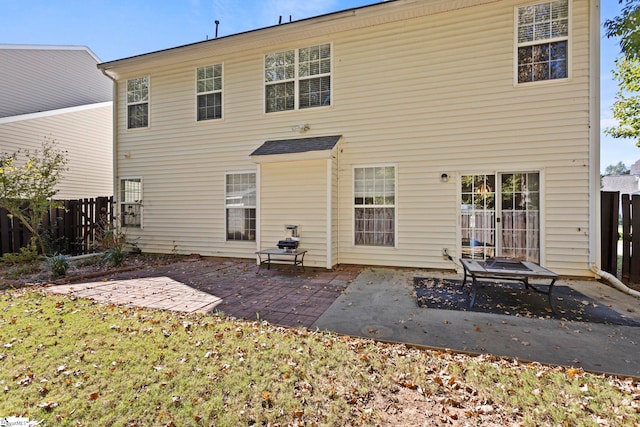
81	362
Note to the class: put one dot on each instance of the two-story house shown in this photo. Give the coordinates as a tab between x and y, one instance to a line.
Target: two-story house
57	92
387	133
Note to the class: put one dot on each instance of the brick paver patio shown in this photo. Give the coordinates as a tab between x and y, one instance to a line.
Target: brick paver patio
235	287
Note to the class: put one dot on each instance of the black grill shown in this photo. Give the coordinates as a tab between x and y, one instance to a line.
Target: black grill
288	244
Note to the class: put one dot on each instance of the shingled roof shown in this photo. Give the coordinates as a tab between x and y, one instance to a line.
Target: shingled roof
298	145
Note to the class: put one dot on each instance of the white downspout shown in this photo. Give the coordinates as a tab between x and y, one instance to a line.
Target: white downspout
594	137
114	139
594	147
594	154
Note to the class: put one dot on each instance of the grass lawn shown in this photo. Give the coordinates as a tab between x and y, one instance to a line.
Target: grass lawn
76	362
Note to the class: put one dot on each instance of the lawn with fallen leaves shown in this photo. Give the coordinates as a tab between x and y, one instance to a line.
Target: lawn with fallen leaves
77	362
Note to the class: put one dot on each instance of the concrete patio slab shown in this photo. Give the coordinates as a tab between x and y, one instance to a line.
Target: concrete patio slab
379	304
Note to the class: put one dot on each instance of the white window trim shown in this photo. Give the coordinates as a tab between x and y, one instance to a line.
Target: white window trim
568	38
148	102
543	207
221	92
395	207
224	203
140	203
296	81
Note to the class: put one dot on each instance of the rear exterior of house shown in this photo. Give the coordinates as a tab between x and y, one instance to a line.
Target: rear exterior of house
56	92
386	133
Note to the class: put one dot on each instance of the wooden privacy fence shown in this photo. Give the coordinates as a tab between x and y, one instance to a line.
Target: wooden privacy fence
74	229
620	217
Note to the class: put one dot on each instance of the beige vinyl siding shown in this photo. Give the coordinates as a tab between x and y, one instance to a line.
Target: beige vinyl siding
85	133
430	94
335	211
301	186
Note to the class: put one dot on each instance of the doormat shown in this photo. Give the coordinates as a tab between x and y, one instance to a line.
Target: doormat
514	300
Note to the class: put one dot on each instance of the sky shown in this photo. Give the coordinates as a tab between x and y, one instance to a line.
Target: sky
115	29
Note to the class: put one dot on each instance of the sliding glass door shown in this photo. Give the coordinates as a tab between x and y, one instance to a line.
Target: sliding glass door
500	215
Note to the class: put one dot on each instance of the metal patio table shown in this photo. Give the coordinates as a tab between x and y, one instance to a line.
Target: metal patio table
292	256
507	269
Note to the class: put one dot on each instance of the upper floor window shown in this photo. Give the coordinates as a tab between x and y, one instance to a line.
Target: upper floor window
138	103
209	92
131	202
298	78
543	38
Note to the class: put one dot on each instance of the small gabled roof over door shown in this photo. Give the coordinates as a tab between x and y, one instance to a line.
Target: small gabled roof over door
283	150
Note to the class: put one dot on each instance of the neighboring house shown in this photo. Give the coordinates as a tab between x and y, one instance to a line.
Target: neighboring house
387	133
57	92
625	184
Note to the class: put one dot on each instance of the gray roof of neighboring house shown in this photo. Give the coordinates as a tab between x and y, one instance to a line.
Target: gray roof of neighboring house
298	145
35	78
625	184
635	168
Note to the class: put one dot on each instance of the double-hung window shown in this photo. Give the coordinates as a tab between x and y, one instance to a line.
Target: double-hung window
131	202
138	103
209	92
298	78
543	41
240	203
375	206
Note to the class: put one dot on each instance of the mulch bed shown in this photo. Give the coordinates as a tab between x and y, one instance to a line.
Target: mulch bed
513	299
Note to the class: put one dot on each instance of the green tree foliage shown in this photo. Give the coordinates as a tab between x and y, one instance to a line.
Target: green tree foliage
27	187
626	28
615	170
626	109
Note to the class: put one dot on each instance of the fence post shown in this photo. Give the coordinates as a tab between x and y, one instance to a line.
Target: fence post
626	237
609	231
6	231
73	228
634	268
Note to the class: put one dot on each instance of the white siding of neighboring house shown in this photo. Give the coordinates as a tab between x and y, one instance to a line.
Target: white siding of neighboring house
84	132
42	78
428	95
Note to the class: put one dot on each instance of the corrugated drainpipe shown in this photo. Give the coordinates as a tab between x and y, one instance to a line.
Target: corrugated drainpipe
114	149
613	281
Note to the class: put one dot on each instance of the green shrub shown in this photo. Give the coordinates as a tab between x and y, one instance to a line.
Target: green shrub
59	265
25	255
135	249
114	256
